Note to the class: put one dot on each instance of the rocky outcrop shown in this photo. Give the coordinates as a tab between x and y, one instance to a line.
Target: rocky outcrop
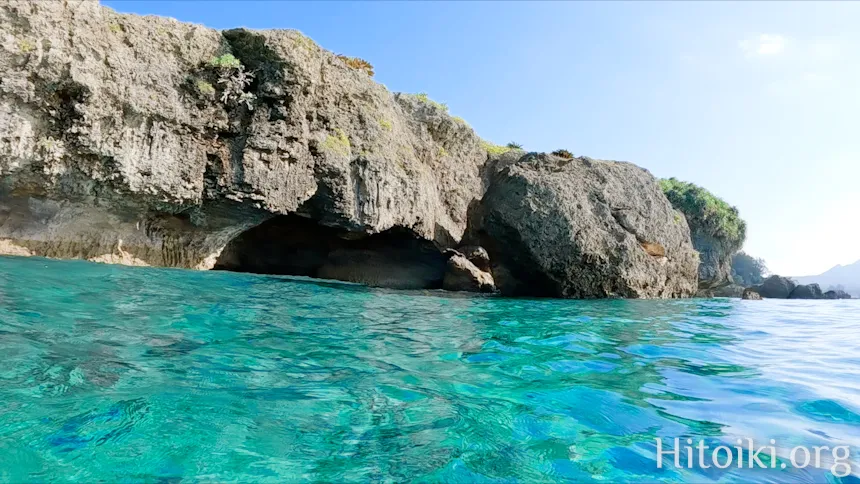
775	287
778	287
730	290
716	228
715	260
119	143
146	141
751	295
837	294
582	228
477	255
806	291
462	274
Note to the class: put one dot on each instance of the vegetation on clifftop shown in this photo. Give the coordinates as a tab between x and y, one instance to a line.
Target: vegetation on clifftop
748	270
706	212
357	64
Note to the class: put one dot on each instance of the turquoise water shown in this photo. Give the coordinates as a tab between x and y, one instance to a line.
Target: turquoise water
148	375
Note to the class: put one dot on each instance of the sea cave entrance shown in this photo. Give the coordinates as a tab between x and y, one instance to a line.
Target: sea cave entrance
298	246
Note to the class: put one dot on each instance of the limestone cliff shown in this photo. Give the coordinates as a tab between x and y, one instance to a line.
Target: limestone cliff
582	228
147	141
716	228
119	143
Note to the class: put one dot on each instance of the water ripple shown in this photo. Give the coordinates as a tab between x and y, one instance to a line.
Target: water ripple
135	374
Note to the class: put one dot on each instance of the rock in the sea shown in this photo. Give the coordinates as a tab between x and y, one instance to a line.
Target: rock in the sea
477	255
806	291
582	228
146	141
751	294
775	287
716	229
118	143
730	290
462	275
837	294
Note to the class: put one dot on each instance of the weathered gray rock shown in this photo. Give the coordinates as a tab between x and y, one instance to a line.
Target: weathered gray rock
119	143
806	291
477	255
462	275
115	144
582	228
729	290
837	294
751	294
716	228
775	287
715	260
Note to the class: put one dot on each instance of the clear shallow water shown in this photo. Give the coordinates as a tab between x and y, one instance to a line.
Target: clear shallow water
146	375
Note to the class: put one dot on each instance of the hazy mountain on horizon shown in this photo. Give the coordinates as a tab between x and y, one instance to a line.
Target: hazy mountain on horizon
847	276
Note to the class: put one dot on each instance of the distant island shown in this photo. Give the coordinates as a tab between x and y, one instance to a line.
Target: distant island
845	278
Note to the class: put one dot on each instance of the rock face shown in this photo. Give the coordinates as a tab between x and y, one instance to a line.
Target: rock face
751	294
582	228
463	275
715	266
477	255
730	290
146	141
775	287
837	294
716	228
806	291
118	143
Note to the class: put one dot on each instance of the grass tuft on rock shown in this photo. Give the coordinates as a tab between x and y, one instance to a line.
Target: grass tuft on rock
705	211
357	64
424	98
563	154
337	143
494	149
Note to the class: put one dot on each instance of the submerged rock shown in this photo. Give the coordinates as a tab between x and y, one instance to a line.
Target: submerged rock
775	287
751	294
581	228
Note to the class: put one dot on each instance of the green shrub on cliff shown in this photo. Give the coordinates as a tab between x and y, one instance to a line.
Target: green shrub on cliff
232	78
706	212
226	61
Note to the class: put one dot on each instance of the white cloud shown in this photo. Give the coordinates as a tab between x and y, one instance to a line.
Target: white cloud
764	44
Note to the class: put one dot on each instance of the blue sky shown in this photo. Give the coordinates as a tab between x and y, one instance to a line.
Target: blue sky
758	102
